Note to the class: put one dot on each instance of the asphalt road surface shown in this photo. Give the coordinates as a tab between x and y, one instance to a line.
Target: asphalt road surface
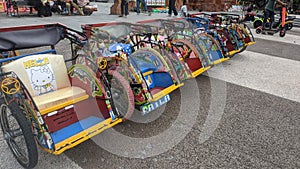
243	113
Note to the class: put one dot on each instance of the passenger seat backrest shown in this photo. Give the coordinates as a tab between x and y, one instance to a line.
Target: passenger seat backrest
40	73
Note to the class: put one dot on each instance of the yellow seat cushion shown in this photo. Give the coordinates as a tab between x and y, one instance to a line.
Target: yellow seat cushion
58	99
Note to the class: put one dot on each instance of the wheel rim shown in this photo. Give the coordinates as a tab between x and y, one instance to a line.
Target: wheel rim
258	31
13	135
257	24
119	96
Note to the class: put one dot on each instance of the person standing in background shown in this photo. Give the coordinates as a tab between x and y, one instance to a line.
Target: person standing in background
70	4
184	10
172	8
124	8
44	9
226	7
269	12
138	2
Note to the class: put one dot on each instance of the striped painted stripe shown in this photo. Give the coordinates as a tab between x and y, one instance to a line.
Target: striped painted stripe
273	75
289	38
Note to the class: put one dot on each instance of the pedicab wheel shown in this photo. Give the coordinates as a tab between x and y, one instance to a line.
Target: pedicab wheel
18	134
257	24
258	30
122	94
282	32
289	26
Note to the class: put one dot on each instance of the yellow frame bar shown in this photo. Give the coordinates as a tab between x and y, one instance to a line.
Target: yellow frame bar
220	61
233	52
64	104
200	71
250	43
83	136
166	91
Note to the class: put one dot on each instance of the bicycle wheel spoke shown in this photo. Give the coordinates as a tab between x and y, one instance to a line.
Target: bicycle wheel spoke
18	151
14	125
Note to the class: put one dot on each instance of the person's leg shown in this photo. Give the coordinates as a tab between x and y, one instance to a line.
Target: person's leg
138	6
71	7
170	8
68	5
144	5
49	12
272	19
77	8
266	17
173	8
122	7
126	8
39	11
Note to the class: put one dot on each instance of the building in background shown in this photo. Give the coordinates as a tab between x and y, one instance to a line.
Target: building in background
210	5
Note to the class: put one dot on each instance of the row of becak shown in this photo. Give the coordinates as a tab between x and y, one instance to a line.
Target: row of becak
115	69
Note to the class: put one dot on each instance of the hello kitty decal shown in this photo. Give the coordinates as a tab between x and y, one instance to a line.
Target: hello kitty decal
41	76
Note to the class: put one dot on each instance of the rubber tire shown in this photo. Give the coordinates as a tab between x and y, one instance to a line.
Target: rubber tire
289	26
129	93
257	23
282	32
25	126
258	30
